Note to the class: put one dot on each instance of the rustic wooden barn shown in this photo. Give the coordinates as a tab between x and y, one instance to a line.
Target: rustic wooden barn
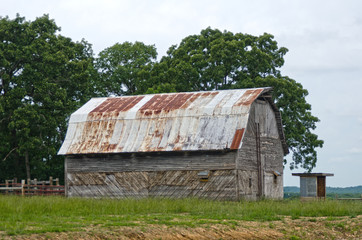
225	145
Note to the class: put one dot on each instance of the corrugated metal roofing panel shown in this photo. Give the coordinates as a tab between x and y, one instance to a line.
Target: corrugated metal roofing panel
193	121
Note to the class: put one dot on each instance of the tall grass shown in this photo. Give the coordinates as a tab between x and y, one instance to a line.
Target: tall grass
44	214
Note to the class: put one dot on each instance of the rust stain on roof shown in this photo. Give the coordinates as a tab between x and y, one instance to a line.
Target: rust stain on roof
237	139
110	148
168	102
249	97
119	104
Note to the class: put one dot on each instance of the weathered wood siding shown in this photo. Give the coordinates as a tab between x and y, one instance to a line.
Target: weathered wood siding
261	123
155	175
176	184
163	161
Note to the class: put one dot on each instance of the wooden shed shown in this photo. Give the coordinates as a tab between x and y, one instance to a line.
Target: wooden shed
225	145
313	185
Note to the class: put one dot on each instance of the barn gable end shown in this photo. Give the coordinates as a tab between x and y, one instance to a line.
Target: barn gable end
260	159
223	145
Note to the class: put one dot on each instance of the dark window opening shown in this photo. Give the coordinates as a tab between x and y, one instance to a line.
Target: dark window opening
203	176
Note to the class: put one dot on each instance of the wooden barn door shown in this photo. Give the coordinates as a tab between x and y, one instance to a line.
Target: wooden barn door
321	186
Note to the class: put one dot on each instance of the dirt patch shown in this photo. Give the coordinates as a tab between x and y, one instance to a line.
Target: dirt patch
287	228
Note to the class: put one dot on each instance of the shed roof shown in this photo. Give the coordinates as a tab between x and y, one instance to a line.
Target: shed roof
191	121
313	174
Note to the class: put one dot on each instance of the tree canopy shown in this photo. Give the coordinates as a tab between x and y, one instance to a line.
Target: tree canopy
220	60
44	77
125	68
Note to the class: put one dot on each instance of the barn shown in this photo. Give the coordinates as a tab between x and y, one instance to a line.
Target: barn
223	145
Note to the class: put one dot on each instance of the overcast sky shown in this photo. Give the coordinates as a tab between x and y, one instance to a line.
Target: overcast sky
324	39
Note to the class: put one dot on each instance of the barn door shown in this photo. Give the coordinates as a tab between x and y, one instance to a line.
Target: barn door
321	186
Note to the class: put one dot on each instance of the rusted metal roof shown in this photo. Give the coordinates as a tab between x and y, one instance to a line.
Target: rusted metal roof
192	121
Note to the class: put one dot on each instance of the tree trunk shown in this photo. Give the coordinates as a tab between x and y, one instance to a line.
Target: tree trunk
27	165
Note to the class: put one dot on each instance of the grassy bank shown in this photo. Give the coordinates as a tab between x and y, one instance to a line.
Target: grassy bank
26	215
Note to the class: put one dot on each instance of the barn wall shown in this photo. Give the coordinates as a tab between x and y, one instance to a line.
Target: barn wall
247	184
155	175
211	160
270	152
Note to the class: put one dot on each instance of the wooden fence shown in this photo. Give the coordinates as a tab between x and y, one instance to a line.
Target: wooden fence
32	187
339	198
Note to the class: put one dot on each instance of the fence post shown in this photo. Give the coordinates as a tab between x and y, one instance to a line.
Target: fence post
51	181
28	187
42	188
57	181
35	188
22	188
6	185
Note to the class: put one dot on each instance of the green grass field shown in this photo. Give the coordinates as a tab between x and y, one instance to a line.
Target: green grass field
29	215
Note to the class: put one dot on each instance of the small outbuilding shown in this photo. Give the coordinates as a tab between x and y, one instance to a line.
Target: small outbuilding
225	145
313	185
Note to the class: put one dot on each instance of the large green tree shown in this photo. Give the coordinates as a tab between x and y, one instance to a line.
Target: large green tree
44	77
222	60
125	68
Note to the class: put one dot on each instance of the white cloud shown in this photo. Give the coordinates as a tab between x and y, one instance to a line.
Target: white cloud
337	160
355	150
